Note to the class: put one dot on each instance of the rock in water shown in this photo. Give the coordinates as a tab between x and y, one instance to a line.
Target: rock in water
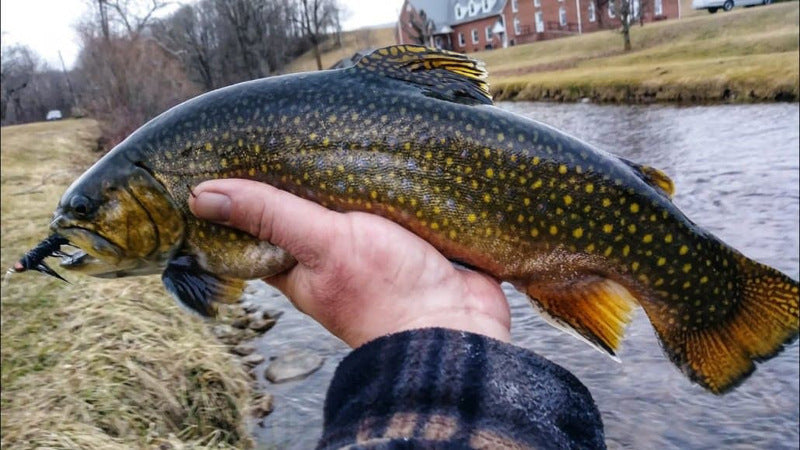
294	365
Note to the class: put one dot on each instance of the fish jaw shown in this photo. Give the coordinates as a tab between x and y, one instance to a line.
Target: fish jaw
123	220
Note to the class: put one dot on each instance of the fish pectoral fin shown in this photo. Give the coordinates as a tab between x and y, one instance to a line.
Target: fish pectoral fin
442	74
196	288
593	308
654	177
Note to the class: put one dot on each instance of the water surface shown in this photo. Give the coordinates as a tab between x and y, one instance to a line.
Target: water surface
736	174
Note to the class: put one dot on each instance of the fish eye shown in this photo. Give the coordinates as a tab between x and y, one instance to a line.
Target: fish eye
80	205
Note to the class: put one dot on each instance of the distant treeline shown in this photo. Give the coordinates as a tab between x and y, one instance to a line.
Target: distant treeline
134	62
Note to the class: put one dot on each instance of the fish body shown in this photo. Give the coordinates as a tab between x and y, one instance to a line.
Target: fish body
410	134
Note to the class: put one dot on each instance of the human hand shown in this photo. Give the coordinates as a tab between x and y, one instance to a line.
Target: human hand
359	275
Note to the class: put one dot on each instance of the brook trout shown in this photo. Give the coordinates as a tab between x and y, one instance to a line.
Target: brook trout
409	133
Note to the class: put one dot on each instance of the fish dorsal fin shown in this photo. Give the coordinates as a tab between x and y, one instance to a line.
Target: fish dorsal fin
653	177
443	74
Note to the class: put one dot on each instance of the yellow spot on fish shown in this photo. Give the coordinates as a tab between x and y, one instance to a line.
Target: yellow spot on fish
326	142
606	202
577	232
526	201
434	226
208	146
562	169
374	194
251	172
520	218
553	230
567	200
687	268
687	285
661	261
501	137
471	218
659	282
487	153
489	172
223	163
632	228
635	266
536	160
590	248
608	228
589	188
487	198
537	184
534	232
683	250
608	251
626	250
634	207
488	231
668	238
232	236
704	280
648	238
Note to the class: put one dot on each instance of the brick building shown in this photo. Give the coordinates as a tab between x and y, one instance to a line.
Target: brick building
472	25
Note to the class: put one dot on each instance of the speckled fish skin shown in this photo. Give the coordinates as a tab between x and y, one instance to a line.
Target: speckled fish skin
585	234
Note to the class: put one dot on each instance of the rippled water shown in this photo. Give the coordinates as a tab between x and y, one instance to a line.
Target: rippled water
736	174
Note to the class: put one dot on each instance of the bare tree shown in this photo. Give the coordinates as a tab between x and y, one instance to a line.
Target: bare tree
420	28
316	17
626	13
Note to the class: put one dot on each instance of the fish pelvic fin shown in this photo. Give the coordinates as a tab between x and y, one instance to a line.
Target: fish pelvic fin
762	320
197	289
593	308
654	177
442	74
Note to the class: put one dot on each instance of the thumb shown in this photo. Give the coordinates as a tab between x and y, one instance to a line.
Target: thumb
301	227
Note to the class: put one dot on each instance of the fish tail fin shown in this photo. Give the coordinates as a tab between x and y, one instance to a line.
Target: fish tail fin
591	307
762	317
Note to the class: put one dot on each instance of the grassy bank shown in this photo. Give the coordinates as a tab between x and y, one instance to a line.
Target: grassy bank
748	55
98	364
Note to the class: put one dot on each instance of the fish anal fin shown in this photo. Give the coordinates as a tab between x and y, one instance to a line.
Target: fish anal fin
594	308
654	177
197	289
442	74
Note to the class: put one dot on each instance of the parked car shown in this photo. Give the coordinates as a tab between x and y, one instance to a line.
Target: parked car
713	5
54	114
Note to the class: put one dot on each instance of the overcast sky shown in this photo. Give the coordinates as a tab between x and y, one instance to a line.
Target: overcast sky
47	26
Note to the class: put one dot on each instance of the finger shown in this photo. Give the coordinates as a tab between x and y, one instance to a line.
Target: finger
302	228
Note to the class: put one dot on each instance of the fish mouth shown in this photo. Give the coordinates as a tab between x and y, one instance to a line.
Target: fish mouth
89	241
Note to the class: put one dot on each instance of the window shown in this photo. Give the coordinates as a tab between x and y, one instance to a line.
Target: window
474	36
592	12
472	9
516	26
488	34
537	3
611	8
461	41
658	8
459	12
514	6
539	22
562	16
485	5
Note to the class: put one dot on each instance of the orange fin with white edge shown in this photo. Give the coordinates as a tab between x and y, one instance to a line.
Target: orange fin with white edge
591	307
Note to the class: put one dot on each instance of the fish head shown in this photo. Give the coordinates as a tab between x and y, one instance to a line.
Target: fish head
122	219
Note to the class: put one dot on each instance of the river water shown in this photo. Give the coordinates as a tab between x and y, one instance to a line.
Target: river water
736	174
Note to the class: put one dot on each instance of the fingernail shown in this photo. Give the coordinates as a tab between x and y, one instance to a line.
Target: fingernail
212	206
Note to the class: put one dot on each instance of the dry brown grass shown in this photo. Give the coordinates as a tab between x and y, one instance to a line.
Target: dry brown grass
352	41
99	364
742	56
